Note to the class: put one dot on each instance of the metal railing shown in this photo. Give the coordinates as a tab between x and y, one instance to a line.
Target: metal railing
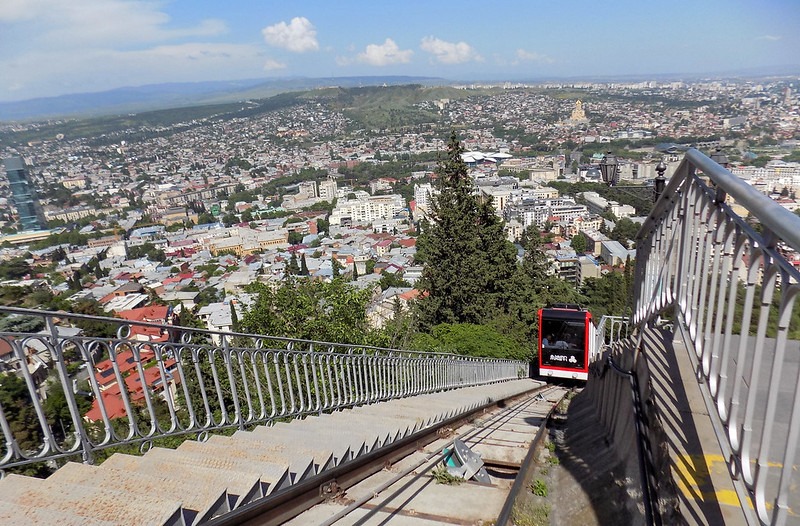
615	388
732	284
75	394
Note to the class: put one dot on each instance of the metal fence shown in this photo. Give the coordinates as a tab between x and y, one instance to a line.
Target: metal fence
70	392
732	283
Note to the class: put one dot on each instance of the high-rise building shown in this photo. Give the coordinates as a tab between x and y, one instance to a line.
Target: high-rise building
328	189
23	195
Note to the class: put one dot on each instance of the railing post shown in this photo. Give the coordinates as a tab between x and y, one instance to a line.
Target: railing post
77	420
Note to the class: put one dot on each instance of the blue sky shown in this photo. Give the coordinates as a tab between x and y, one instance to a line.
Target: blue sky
52	47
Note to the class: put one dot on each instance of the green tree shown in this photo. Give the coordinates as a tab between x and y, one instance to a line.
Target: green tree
293	268
468	262
15	399
229	220
234	318
295	238
309	309
625	230
303	265
15	268
470	339
579	243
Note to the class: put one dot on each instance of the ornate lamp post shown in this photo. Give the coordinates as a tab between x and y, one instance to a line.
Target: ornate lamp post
609	169
660	182
720	158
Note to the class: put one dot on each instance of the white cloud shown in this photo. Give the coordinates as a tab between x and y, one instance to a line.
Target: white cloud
343	61
449	52
45	73
272	64
532	56
91	45
298	36
97	22
385	54
771	38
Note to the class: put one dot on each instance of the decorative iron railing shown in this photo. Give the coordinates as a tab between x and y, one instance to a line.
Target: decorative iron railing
74	394
732	283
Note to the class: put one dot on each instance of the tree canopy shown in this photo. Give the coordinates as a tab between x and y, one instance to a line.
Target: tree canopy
311	310
468	262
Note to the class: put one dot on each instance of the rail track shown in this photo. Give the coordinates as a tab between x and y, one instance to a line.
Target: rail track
403	481
332	463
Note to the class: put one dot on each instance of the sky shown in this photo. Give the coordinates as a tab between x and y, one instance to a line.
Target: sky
55	47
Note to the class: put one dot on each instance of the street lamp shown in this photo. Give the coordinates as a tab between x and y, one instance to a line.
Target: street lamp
720	158
609	167
660	182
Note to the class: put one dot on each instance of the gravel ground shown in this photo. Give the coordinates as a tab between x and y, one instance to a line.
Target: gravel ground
578	478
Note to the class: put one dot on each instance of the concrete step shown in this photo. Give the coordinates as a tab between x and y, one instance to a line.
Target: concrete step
242	486
200	502
359	441
90	502
322	458
19	515
300	466
284	440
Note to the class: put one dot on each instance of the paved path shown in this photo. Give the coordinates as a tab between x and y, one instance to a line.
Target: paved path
705	490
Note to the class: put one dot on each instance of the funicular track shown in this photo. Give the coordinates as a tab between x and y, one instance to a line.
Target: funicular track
396	481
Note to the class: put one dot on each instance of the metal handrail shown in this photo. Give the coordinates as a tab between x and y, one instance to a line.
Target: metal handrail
733	293
176	381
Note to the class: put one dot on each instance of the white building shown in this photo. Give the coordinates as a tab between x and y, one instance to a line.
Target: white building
423	194
367	210
539	211
598	205
328	189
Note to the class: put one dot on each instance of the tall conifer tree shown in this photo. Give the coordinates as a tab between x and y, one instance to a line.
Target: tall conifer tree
468	262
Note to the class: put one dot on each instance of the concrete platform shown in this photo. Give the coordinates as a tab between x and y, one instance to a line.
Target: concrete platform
705	490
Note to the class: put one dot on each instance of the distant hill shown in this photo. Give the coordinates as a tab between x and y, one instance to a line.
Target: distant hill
369	107
175	95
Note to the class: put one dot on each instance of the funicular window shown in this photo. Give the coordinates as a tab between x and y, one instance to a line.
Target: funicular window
564	343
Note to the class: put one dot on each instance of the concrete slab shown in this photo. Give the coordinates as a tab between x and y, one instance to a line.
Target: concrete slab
90	502
706	492
418	495
200	502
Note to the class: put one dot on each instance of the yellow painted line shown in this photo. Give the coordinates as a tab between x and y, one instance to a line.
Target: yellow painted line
694	479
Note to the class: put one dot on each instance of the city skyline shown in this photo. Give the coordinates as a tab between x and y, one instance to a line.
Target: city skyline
50	48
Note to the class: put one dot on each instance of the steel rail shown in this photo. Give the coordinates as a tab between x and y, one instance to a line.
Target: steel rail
434	458
521	480
289	502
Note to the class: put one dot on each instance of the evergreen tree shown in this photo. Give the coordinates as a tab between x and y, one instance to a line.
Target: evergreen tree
303	265
355	271
468	262
234	318
293	268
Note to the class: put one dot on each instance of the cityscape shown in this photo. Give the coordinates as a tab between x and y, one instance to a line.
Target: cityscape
148	222
194	194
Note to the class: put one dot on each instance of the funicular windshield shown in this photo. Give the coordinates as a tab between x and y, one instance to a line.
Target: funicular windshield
563	339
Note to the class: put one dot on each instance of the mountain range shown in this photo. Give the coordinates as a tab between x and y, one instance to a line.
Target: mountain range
174	95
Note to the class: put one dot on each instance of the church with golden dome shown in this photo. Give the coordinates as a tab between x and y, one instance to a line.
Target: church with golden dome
578	114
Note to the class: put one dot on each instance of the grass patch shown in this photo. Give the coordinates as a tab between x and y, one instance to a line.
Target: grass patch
531	515
442	476
539	488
